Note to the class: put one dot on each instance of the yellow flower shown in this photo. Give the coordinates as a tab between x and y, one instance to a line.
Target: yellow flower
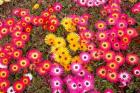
83	47
7	0
63	51
70	28
88	67
76	59
60	42
1	2
67	67
133	1
66	21
58	57
74	46
66	59
73	37
36	6
54	49
50	39
68	24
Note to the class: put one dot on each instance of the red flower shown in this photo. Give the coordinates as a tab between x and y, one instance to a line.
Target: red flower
51	28
14	68
28	28
4	84
17	54
112	76
101	71
23	62
4	73
25	80
132	59
18	86
10	22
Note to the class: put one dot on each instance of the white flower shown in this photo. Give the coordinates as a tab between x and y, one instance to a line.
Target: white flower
29	75
10	90
2	66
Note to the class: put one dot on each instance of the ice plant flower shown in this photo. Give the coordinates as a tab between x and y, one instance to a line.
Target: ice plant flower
132	59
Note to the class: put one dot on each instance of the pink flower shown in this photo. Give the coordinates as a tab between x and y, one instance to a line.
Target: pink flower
136	71
56	70
68	79
76	67
100	25
108	91
116	45
56	82
34	55
131	32
23	12
119	58
123	16
121	24
57	90
82	2
72	86
82	21
124	76
131	21
57	7
82	73
16	11
88	84
85	57
90	3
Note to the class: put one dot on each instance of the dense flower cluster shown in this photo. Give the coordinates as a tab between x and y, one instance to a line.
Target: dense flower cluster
90	3
4	1
136	9
70	56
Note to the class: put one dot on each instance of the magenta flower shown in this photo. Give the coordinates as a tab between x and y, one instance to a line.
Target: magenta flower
124	77
56	70
76	67
108	90
56	82
136	71
34	55
85	57
57	7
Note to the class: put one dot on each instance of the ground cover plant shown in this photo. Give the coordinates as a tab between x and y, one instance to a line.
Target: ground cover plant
69	46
